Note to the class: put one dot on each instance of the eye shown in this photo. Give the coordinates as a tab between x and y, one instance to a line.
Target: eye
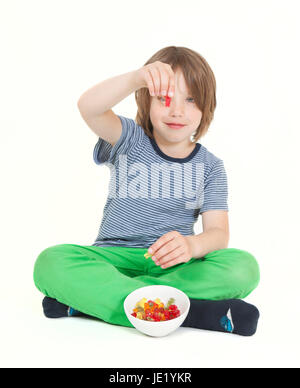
162	98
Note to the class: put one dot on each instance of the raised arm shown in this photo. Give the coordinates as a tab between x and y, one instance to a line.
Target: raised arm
95	104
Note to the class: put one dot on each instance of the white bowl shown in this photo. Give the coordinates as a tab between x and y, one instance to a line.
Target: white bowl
164	293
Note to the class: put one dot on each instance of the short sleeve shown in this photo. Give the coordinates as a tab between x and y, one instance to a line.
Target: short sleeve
216	189
131	134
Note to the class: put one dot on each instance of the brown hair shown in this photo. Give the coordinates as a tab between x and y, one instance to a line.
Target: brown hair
200	81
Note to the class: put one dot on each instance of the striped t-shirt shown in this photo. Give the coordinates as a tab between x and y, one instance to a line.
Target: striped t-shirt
151	193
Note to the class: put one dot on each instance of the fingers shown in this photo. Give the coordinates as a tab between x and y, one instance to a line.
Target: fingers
164	81
169	258
160	79
171	82
162	241
155	77
165	254
168	250
165	250
150	82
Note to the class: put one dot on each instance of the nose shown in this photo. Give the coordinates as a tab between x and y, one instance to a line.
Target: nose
176	106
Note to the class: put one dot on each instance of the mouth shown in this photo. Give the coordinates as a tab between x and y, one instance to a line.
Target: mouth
175	125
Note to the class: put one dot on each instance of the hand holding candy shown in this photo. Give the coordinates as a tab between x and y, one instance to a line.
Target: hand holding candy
170	249
158	77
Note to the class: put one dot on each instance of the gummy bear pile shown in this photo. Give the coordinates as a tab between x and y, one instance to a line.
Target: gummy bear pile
155	310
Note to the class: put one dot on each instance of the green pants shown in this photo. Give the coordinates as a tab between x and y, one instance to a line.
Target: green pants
96	280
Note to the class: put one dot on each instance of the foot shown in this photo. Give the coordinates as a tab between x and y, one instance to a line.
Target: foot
54	309
230	315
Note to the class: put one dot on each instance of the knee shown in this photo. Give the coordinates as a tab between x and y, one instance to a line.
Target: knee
245	272
47	264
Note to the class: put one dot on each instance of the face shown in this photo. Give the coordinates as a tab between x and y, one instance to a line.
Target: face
182	109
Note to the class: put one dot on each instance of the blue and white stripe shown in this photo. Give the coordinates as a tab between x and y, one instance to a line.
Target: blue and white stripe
132	215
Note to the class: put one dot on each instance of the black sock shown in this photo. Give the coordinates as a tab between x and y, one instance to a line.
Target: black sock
230	315
54	309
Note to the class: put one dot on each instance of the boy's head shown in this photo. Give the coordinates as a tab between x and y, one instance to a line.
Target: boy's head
194	101
182	110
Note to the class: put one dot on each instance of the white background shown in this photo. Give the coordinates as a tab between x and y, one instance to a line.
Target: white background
52	192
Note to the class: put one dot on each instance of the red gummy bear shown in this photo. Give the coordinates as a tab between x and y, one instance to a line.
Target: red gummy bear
168	100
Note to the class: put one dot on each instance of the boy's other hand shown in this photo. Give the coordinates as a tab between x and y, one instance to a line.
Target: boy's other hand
170	249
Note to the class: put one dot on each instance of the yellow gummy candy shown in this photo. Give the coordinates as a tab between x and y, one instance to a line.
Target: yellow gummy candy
157	301
139	315
147	255
141	302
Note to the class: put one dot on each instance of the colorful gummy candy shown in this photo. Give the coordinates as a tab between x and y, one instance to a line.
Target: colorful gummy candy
168	100
155	311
